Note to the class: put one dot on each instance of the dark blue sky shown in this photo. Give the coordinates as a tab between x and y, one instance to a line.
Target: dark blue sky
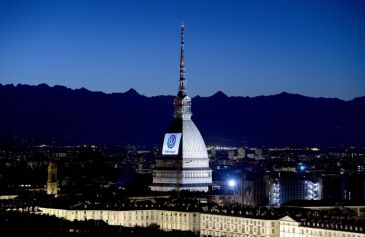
247	48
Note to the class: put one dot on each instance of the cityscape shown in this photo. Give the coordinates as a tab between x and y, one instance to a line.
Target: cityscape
79	162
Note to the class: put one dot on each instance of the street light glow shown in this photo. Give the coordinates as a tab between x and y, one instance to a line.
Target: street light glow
231	183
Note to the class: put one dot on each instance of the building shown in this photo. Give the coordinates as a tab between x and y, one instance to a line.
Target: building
52	182
356	207
289	186
165	219
237	226
254	189
241	153
183	163
214	222
291	228
344	186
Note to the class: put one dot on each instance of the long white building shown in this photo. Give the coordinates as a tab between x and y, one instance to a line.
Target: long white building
211	224
291	228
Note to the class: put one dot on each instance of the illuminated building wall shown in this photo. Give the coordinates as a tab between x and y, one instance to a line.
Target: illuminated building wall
221	225
289	186
291	228
52	181
167	220
313	190
208	224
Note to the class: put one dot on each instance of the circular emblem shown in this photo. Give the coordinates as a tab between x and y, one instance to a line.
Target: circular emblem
171	141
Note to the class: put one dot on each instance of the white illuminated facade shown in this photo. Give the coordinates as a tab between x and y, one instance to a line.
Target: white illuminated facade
52	182
313	190
238	226
275	193
183	163
287	188
208	224
167	220
291	228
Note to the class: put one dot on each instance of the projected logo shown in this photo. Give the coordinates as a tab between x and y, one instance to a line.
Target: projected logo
171	144
171	141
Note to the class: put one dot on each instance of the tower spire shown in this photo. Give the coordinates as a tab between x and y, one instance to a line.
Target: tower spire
182	102
182	81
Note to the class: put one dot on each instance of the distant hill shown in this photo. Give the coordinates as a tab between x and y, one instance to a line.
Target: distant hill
58	115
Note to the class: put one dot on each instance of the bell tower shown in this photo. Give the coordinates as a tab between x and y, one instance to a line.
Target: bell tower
52	182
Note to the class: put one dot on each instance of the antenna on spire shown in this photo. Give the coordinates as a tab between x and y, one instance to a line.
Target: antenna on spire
182	86
182	102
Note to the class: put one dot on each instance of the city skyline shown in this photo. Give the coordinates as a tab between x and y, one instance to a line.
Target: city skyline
241	48
265	136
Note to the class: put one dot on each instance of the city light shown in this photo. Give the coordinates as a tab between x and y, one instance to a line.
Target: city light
231	183
301	166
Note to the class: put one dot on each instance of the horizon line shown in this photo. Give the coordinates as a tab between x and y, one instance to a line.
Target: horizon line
219	92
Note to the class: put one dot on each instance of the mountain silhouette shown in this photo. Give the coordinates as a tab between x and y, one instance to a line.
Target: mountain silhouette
62	116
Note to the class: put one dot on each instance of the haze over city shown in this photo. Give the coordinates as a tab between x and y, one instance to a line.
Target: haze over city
243	48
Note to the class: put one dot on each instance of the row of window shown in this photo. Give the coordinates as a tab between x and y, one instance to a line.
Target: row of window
190	174
206	233
233	227
317	232
235	220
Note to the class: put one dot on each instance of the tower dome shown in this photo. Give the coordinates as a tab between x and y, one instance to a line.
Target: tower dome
183	163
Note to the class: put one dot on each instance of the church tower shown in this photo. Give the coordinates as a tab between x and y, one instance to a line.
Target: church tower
183	163
52	187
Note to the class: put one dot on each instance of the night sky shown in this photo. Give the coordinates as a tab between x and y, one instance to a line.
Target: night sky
243	48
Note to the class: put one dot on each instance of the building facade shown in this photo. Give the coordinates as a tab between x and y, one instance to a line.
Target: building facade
211	224
291	228
237	226
167	220
183	163
290	186
52	181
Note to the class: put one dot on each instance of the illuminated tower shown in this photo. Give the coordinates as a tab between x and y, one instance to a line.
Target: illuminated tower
183	163
52	188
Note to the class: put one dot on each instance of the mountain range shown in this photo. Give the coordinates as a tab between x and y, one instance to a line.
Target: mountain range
61	116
